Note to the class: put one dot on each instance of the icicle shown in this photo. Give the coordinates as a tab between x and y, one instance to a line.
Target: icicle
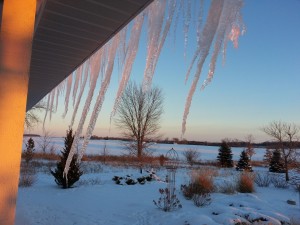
47	109
68	91
52	94
156	39
228	17
206	40
85	74
77	77
101	95
132	51
187	21
177	19
94	68
198	33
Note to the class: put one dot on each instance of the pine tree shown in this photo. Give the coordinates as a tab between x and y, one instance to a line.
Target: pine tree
243	163
268	155
225	155
28	153
276	164
74	171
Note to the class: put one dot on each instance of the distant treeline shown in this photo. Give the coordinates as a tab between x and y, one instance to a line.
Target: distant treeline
232	143
31	135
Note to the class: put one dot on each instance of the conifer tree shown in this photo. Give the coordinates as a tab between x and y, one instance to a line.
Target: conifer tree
74	171
276	164
28	153
243	163
268	155
225	155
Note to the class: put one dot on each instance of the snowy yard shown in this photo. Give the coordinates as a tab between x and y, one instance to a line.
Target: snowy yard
97	200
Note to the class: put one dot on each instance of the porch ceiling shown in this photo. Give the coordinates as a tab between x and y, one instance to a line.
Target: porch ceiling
67	32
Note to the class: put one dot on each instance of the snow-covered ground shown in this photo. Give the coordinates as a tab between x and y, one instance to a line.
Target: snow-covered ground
97	200
113	147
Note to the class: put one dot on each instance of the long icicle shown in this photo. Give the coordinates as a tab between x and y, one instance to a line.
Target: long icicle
101	96
206	40
68	91
95	62
155	21
79	97
132	51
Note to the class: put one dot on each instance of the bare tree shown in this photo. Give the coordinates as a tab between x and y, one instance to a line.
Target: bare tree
45	141
249	146
138	115
191	156
31	117
286	136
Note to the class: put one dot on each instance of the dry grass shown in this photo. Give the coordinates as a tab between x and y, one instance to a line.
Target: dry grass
200	183
245	183
227	187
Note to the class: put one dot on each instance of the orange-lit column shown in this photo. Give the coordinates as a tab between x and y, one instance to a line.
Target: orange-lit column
17	27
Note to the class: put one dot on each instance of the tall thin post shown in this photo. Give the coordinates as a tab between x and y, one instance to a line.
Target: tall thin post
16	35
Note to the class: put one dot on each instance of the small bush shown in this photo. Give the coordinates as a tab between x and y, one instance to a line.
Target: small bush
227	187
201	200
262	179
279	182
191	156
245	183
167	201
200	184
27	177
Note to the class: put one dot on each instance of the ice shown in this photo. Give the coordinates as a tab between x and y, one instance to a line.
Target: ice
205	42
130	57
100	98
68	92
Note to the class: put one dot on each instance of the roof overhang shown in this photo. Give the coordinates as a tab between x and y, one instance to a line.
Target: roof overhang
67	32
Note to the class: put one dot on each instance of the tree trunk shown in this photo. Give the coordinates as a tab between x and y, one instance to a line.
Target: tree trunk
286	169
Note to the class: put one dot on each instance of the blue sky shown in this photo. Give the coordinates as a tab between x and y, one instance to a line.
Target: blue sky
259	82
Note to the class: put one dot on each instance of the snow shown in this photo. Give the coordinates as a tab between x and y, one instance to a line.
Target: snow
96	199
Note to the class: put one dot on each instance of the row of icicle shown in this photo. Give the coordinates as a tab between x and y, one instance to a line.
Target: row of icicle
223	23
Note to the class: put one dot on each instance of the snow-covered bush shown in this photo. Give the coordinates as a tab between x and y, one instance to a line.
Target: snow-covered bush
279	181
245	183
167	201
27	176
201	200
227	187
262	179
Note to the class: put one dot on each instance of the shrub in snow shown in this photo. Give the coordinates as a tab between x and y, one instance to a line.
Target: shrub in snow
276	165
245	183
168	201
262	179
279	181
74	171
27	176
201	200
227	187
200	183
225	155
243	163
28	173
191	156
199	189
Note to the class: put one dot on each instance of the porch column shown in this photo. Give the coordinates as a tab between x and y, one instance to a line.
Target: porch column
16	35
